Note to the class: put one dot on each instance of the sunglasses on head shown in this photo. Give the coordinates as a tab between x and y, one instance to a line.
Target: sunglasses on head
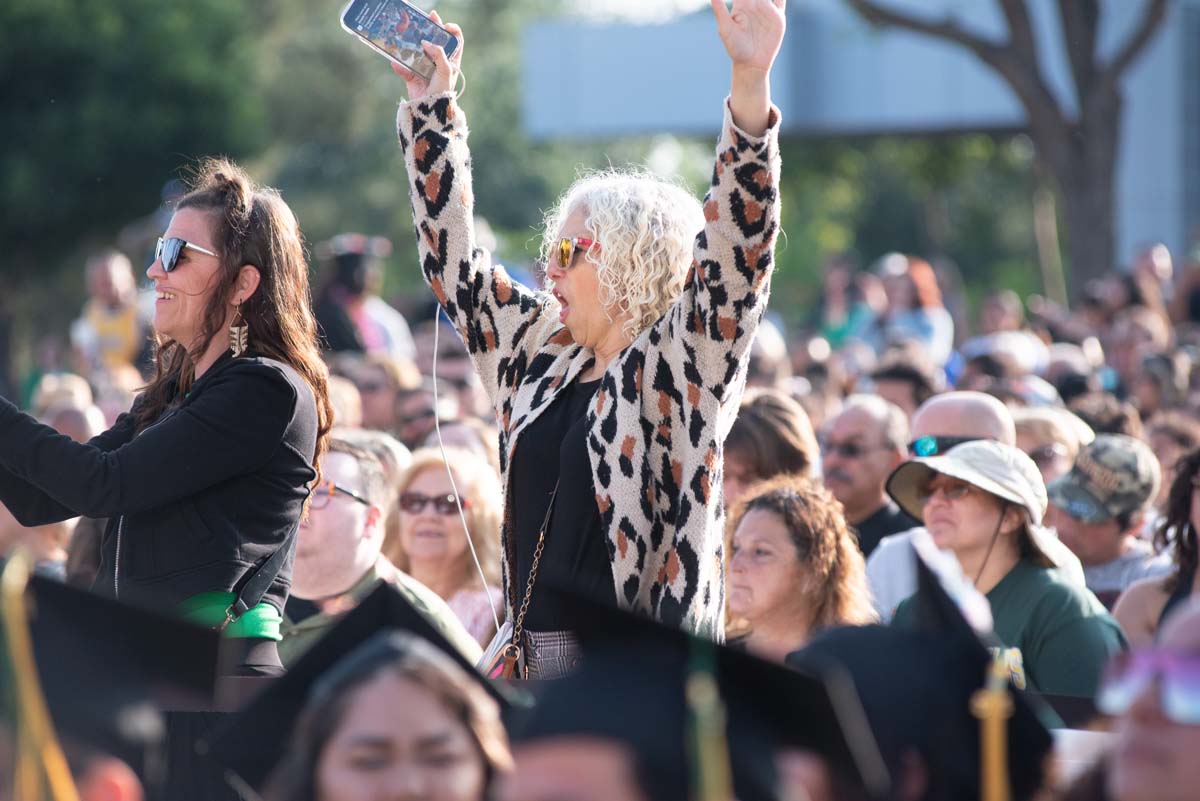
323	493
414	503
1130	674
568	246
935	446
168	251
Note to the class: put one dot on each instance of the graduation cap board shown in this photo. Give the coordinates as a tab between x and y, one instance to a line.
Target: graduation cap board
635	686
253	742
105	671
921	691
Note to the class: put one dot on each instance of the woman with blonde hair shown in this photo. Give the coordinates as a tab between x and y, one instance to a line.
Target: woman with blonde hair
794	567
614	389
434	549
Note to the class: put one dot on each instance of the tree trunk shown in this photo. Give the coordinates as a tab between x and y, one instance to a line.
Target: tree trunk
1085	170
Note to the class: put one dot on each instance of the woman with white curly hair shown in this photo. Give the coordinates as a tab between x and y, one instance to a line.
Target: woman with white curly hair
614	390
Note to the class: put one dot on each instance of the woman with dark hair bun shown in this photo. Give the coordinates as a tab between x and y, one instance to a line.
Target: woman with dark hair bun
1145	604
204	480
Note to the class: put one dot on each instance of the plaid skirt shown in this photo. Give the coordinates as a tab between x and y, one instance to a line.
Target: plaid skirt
550	654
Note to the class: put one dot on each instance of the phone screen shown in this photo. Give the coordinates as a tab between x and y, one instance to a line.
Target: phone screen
397	28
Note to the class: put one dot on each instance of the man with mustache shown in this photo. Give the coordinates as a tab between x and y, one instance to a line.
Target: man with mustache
861	447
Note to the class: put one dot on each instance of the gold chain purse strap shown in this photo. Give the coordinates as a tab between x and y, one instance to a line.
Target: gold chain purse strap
512	653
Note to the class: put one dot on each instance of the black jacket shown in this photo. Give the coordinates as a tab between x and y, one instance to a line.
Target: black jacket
196	500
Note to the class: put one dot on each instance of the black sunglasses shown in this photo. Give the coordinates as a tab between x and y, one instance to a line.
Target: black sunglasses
933	446
168	251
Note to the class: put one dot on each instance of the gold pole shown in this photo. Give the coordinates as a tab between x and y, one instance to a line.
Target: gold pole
39	755
993	706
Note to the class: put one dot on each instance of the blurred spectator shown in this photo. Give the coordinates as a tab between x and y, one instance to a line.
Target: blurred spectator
1161	382
380	380
417	409
905	383
1051	437
1171	435
1104	414
472	434
434	547
985	501
1001	310
1098	509
1136	333
80	424
859	450
1143	607
60	389
769	364
915	310
984	371
1150	694
350	313
455	370
112	330
46	545
338	559
347	403
770	437
794	568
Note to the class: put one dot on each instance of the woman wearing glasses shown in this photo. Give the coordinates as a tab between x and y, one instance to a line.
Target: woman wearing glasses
615	389
204	480
436	550
984	501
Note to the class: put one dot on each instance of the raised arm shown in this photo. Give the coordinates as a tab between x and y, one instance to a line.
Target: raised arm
727	289
494	315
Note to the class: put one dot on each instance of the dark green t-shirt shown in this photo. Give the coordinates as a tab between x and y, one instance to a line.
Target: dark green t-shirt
1057	636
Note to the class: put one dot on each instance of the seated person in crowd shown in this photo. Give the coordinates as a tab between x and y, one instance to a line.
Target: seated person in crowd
1171	435
338	559
794	568
1143	607
985	502
771	436
860	448
1097	510
1051	437
1152	694
944	421
906	383
1107	415
433	546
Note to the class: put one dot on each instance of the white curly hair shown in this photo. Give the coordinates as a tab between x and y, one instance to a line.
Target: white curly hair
645	227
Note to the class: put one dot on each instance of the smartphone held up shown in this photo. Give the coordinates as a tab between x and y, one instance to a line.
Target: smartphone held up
396	30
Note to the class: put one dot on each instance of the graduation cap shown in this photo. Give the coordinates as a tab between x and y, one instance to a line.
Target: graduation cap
103	670
921	689
253	742
642	684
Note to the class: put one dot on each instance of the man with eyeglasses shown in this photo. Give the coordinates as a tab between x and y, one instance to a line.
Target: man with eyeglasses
338	558
859	450
942	422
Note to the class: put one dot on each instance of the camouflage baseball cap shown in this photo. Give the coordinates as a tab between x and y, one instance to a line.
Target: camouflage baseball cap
1112	476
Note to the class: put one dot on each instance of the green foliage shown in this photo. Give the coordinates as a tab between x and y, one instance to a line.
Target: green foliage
102	102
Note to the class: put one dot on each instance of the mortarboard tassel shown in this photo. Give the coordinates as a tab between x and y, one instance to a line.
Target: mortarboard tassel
709	749
993	706
40	764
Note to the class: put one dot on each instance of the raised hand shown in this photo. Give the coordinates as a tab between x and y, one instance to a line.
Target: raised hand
446	68
752	32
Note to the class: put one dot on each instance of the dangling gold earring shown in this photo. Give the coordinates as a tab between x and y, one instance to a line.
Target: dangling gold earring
239	333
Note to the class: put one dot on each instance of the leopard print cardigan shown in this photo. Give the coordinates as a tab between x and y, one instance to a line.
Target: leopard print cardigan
658	423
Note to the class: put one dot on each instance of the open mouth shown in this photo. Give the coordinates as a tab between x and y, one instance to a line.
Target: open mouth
562	313
429	534
164	295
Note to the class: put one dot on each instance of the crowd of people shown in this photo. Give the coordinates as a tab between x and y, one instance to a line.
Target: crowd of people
620	535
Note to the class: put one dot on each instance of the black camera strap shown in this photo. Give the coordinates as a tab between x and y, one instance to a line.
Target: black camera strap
260	580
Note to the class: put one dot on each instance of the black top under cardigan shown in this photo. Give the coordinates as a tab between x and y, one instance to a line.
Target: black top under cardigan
197	499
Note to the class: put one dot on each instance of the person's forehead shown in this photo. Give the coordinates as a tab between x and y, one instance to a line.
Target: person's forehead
193	225
955	419
854	422
341	468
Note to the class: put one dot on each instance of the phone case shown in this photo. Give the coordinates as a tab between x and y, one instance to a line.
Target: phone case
395	30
